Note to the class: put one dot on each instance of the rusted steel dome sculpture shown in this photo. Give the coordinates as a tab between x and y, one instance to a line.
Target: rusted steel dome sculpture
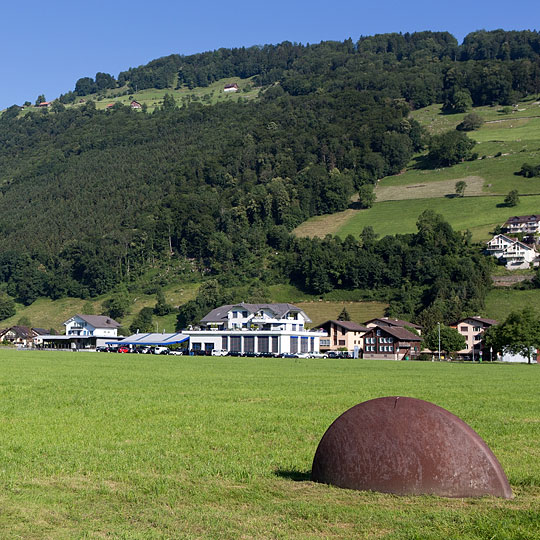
407	446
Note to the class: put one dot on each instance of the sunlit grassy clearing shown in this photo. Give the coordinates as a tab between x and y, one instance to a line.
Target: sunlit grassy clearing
398	217
128	446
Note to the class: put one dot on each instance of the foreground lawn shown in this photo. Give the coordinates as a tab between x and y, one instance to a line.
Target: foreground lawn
128	446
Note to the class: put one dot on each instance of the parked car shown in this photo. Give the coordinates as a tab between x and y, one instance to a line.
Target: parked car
143	349
176	352
235	353
289	355
123	349
318	355
161	350
219	352
103	348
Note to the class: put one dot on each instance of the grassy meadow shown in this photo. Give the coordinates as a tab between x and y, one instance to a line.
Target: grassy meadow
132	446
508	138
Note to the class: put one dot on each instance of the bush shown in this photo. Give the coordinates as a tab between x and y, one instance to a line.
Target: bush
471	122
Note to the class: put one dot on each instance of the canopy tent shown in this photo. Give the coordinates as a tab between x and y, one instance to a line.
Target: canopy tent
152	338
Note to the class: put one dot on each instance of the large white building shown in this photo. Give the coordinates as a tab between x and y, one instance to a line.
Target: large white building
256	328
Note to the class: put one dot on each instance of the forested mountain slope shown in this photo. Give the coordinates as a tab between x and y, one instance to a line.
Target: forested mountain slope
92	198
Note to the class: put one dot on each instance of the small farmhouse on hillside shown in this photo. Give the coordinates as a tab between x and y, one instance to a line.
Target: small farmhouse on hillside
231	88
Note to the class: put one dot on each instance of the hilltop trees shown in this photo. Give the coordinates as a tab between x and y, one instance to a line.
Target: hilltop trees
450	148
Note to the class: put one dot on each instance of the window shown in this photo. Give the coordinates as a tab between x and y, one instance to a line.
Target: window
341	342
464	329
244	314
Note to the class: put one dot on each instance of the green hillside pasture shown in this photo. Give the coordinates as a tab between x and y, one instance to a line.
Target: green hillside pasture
478	214
501	302
131	446
436	122
498	173
209	95
47	313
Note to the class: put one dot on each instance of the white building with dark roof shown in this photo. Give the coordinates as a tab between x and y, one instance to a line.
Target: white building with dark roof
256	328
512	252
82	332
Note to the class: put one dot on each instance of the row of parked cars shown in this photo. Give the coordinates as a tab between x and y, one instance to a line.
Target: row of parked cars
140	349
223	352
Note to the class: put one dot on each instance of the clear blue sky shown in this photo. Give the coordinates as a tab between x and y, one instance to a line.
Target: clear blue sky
46	46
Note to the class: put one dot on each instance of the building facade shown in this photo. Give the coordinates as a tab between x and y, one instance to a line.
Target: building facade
342	335
472	329
255	328
391	343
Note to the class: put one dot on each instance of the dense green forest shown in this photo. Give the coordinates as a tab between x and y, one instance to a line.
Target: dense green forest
90	199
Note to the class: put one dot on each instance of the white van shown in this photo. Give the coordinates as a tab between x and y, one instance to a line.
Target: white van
219	352
161	350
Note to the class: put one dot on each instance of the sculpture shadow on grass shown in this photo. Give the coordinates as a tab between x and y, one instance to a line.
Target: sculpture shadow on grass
295	476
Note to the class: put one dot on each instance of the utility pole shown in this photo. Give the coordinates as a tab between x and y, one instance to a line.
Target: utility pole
439	327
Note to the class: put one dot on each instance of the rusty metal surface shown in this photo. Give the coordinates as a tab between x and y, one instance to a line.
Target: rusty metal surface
407	446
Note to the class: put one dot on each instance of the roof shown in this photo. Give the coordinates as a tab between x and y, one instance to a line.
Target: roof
349	325
511	240
152	338
523	219
388	321
398	332
220	314
22	332
489	322
40	331
98	321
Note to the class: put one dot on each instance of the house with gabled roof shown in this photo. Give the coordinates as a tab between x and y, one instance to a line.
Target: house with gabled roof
342	335
513	253
22	336
522	224
388	342
255	328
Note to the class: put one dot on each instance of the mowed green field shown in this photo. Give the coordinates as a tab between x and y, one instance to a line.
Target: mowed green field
477	214
131	446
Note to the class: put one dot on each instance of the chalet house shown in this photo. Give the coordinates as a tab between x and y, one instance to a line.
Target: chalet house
472	329
394	323
231	88
44	104
522	225
22	336
82	332
135	105
513	253
342	335
391	343
256	328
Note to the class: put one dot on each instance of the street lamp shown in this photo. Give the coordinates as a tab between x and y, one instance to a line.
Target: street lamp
439	327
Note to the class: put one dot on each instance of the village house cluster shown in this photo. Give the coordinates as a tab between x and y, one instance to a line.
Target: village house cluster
242	329
516	246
